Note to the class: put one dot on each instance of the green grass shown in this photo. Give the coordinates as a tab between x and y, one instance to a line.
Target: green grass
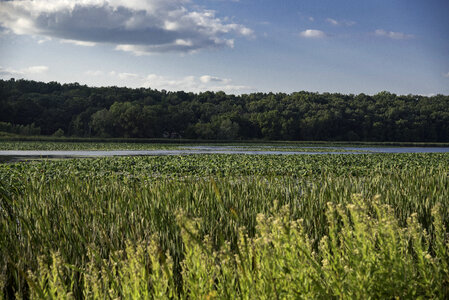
15	142
71	146
226	226
68	145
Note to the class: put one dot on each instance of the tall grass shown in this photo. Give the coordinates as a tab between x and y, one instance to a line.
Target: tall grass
366	254
207	226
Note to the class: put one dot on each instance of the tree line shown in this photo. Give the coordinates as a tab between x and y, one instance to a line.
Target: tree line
31	107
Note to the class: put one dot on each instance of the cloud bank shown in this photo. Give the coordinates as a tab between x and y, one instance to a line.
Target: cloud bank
186	83
138	26
9	72
194	84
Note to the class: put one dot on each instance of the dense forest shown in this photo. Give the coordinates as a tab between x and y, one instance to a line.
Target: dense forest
33	108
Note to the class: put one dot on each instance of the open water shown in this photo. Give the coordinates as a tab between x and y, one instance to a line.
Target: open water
249	150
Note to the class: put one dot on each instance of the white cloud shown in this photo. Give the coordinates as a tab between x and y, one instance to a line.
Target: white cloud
126	76
187	83
33	70
446	75
5	72
43	40
79	43
393	35
312	33
138	26
339	23
311	19
94	73
208	78
195	84
332	21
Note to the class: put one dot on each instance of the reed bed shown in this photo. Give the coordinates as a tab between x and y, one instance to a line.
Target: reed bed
226	226
174	145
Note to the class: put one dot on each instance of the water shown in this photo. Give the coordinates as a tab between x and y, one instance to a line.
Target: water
249	150
331	150
401	149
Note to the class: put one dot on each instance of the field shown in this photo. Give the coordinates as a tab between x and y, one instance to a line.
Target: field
226	226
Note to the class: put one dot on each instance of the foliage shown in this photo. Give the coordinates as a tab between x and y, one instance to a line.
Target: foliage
226	226
111	145
29	129
59	133
366	254
146	113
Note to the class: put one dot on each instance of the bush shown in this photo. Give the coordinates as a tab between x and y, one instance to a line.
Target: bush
59	133
365	255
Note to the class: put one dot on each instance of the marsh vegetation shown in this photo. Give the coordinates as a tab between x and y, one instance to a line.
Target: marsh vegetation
226	226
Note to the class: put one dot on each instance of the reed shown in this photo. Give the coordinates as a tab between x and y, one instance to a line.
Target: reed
226	226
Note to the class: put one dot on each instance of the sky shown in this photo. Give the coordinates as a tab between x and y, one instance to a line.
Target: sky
235	46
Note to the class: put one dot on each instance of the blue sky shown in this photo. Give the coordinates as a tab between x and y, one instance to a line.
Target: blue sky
238	46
